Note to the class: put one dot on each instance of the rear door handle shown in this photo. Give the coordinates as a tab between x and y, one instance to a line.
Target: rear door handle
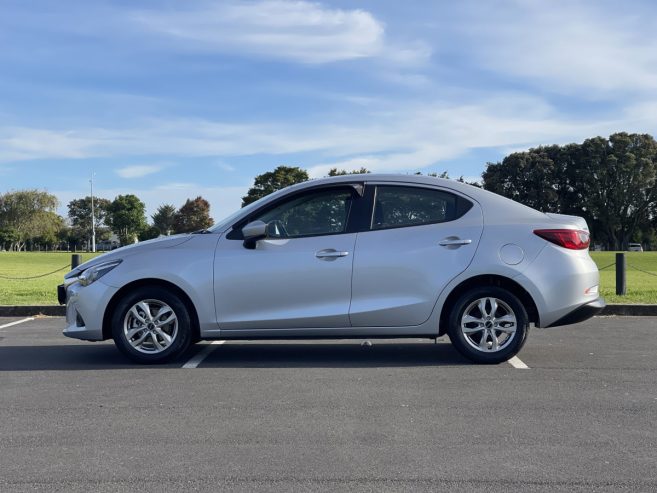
454	242
330	254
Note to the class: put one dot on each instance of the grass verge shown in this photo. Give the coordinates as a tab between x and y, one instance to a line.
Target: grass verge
641	277
41	291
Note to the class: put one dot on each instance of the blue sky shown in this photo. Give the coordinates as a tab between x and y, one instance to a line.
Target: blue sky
170	99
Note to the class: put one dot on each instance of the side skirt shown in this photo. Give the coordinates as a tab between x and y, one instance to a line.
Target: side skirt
323	333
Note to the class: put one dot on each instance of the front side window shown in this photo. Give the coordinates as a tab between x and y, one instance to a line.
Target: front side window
318	213
397	206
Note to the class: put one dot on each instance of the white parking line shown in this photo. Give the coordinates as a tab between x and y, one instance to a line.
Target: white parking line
517	363
16	323
197	359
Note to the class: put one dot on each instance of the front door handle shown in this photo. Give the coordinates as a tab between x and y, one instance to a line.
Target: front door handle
330	254
454	242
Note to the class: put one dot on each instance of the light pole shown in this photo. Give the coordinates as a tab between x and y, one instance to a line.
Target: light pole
93	216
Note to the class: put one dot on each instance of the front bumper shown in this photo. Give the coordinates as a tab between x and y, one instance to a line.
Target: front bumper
85	308
581	313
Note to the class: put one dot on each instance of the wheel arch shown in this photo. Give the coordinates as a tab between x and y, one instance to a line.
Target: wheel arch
160	283
483	281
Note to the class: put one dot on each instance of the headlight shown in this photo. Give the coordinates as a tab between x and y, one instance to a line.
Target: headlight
92	274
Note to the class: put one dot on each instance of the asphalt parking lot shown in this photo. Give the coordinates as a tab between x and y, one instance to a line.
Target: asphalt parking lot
331	415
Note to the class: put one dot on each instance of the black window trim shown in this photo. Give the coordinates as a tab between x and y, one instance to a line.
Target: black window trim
358	190
361	213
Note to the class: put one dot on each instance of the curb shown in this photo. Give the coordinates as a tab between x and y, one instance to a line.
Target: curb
32	310
630	310
60	311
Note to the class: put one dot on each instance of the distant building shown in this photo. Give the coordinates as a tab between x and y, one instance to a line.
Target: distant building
107	245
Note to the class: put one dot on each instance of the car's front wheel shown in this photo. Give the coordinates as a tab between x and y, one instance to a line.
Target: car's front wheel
488	325
151	325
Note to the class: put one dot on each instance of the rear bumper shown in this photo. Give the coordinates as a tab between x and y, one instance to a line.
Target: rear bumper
581	313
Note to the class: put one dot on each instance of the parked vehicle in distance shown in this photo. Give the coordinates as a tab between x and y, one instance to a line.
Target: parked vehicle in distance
356	256
634	247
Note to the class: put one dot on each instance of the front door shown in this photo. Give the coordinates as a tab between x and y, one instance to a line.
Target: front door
298	277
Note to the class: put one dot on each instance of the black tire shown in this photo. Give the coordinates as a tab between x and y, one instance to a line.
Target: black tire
465	344
183	335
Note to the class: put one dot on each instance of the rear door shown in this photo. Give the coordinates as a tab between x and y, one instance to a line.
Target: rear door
419	238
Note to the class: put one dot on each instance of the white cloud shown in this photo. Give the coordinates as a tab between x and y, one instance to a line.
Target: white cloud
437	133
19	143
298	30
226	167
395	137
564	45
138	171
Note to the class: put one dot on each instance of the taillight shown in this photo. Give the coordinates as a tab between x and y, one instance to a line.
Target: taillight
572	239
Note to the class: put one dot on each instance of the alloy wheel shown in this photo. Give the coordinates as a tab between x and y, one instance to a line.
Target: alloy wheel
150	326
488	324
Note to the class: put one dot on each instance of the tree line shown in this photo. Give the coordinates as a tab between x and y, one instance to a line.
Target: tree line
611	182
28	220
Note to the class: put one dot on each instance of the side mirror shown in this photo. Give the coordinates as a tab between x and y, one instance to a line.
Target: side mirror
252	232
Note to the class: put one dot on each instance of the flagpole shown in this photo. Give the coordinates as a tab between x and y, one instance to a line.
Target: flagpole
93	216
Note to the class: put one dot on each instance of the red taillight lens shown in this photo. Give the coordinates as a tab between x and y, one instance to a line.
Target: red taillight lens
572	239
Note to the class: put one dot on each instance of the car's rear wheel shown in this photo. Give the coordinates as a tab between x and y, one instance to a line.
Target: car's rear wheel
151	325
488	325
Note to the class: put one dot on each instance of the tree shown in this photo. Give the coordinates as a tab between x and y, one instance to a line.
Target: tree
526	177
267	183
26	215
65	237
461	179
621	183
434	174
164	219
126	216
79	212
49	235
342	172
150	233
611	182
8	238
194	215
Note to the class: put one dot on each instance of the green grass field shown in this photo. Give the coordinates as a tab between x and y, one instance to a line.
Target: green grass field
641	287
41	291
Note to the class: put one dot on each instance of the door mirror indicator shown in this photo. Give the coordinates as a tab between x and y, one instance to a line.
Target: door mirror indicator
252	232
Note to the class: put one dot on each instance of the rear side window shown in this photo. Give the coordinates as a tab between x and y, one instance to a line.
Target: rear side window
396	207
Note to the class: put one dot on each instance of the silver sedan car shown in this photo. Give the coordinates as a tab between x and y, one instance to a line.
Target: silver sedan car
356	256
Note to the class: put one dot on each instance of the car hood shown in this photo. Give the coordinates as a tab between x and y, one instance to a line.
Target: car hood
141	247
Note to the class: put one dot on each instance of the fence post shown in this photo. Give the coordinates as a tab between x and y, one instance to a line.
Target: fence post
621	285
75	260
